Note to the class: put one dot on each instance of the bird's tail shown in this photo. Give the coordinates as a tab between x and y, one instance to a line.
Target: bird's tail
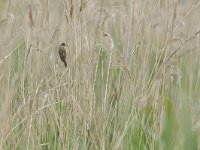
65	63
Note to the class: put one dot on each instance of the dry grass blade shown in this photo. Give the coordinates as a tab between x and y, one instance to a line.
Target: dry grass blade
5	57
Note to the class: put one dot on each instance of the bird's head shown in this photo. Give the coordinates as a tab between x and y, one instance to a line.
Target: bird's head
62	44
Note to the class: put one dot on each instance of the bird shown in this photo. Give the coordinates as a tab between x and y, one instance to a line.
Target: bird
62	53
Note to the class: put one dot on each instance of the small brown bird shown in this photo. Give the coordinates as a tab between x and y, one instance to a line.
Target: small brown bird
62	53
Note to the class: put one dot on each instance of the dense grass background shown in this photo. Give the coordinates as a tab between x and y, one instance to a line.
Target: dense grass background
132	81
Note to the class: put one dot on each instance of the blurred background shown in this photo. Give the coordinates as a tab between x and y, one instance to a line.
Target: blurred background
132	81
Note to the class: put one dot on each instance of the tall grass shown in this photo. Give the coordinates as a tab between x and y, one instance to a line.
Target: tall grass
132	81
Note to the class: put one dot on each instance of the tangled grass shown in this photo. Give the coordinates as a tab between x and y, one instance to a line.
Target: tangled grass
132	81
